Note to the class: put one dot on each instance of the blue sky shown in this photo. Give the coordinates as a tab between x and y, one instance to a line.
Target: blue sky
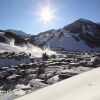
21	14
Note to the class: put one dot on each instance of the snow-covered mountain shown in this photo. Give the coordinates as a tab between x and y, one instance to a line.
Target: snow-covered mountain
18	41
9	36
19	33
79	35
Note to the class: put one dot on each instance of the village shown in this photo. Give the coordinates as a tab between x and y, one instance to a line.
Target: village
21	77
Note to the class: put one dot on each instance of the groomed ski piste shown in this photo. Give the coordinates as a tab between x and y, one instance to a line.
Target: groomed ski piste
85	86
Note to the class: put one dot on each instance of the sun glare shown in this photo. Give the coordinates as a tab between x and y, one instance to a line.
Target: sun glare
46	14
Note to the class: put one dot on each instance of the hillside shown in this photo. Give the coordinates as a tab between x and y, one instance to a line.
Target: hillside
80	35
9	36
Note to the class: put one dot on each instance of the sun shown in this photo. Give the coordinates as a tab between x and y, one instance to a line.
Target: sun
46	14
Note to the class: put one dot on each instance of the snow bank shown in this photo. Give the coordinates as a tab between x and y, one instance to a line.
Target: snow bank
85	86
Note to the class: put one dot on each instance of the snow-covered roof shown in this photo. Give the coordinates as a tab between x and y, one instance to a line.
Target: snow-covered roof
37	84
70	71
13	76
21	86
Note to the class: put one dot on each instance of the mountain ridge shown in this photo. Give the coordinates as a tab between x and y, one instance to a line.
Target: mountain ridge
85	35
80	35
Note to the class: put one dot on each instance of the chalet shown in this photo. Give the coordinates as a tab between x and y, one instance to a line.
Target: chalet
31	71
32	76
36	84
53	79
83	63
24	66
21	72
67	73
23	87
13	78
74	64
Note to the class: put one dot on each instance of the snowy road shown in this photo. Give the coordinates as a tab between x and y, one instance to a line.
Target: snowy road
85	86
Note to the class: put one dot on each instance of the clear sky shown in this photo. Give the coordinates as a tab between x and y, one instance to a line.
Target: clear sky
22	14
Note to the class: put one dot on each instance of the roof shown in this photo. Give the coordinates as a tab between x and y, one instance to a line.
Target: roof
13	76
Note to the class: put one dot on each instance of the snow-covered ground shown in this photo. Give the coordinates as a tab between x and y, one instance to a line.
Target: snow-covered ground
15	93
85	86
68	43
34	50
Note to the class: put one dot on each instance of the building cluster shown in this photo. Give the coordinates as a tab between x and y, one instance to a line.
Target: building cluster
28	77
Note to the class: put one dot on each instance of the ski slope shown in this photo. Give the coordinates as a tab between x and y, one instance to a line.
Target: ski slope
85	86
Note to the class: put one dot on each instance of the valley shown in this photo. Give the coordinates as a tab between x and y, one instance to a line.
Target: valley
31	62
21	78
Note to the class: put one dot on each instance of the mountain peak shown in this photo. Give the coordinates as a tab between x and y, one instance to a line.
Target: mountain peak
85	20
